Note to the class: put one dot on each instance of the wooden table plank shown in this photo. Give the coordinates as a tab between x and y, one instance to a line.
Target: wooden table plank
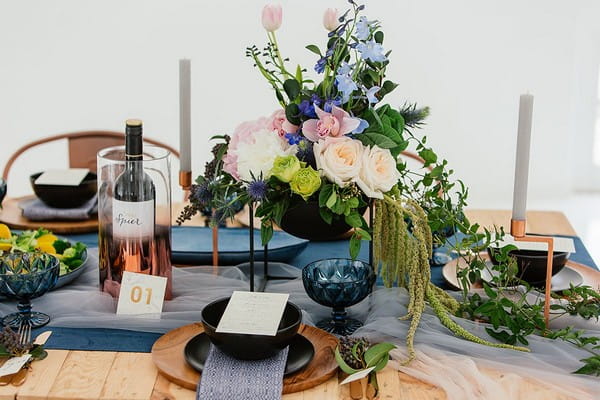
389	384
83	375
42	376
166	390
132	376
325	391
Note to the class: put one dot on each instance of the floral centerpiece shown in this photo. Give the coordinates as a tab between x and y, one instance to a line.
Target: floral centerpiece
334	143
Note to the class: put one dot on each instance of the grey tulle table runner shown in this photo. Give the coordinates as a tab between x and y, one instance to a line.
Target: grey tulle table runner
225	378
37	210
444	360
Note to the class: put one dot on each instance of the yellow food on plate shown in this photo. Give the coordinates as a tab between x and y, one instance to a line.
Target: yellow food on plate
47	238
5	246
46	248
4	232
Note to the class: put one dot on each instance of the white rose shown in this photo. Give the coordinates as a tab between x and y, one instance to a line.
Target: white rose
379	173
339	159
257	156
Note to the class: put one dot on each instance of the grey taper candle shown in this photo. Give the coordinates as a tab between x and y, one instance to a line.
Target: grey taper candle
522	161
185	117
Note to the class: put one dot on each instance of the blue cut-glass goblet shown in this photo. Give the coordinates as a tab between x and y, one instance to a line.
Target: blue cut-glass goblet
25	276
338	283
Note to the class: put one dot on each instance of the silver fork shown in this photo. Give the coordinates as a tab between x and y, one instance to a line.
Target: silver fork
24	333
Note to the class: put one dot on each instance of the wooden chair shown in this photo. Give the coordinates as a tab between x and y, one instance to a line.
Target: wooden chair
83	147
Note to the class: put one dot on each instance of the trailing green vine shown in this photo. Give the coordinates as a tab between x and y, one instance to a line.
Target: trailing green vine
402	254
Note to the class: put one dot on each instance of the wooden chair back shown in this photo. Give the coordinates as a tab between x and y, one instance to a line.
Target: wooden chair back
83	147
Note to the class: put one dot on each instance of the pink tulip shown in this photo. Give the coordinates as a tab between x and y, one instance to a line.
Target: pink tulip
334	124
271	17
330	19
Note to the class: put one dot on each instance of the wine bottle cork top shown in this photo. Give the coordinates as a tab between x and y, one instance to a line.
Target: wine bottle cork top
134	122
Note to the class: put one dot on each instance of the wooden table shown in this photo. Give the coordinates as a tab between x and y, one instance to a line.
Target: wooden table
109	375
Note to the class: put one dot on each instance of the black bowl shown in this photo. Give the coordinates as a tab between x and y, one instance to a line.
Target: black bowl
304	220
250	347
62	196
532	263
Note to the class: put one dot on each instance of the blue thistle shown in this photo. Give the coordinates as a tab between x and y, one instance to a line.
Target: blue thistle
257	189
201	193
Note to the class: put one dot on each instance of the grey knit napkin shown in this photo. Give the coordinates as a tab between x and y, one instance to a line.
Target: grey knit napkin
37	210
226	378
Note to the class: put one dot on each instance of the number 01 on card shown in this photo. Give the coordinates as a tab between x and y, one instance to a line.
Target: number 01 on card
141	294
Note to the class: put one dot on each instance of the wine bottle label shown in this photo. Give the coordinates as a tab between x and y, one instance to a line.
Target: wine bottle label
133	219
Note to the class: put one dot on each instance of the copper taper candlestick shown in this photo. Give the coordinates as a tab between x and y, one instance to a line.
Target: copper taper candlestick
185	180
518	231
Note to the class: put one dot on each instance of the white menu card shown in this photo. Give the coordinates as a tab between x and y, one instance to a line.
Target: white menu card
254	313
63	177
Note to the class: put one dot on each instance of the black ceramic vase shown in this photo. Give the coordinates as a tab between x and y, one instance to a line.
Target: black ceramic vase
303	220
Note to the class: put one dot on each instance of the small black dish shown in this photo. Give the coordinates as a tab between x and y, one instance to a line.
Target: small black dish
63	196
300	354
532	263
245	346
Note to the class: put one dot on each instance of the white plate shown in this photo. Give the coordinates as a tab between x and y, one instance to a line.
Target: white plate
560	281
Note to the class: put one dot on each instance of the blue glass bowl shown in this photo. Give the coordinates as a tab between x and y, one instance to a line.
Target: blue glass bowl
25	276
338	283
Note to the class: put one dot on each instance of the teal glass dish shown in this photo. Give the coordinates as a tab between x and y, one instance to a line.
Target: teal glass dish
23	277
338	283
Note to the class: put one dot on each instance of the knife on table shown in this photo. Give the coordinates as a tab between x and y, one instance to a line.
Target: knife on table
19	378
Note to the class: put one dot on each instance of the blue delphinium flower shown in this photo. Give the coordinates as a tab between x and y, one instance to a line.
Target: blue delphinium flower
315	99
371	94
362	28
361	126
257	189
345	85
371	50
293	138
320	65
344	68
330	103
307	108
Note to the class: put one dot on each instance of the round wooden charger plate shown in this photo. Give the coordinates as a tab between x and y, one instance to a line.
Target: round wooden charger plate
591	277
12	215
167	355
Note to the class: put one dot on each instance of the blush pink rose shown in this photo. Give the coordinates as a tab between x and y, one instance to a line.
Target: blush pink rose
278	122
334	124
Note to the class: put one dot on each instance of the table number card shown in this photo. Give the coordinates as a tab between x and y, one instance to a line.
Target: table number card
141	294
253	313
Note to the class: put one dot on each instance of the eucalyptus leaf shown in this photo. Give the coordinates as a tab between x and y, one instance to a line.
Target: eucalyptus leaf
379	140
375	353
314	49
292	88
343	365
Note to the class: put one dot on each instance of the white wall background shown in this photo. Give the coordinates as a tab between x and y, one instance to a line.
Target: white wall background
69	65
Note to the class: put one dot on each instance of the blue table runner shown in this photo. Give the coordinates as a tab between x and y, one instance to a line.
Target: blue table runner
99	339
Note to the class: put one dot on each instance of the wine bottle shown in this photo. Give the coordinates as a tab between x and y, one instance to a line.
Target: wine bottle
133	207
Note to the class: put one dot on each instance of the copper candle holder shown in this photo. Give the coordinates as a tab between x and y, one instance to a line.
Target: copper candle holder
518	231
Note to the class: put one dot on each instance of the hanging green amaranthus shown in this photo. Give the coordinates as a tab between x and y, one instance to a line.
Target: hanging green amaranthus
402	248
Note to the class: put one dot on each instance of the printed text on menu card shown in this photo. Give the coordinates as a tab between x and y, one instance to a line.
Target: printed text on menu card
253	313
